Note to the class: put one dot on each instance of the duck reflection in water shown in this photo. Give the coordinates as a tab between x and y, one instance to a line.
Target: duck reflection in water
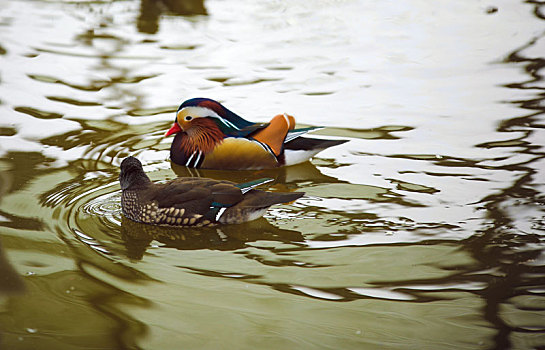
10	281
151	10
137	237
285	178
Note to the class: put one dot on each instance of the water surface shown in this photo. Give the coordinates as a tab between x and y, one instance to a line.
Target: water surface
424	231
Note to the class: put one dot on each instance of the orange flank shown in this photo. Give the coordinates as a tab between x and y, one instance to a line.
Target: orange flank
239	153
274	134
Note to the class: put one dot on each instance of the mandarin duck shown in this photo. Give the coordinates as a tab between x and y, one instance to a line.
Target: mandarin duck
192	201
210	136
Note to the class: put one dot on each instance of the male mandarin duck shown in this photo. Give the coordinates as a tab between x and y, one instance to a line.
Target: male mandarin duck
210	136
192	201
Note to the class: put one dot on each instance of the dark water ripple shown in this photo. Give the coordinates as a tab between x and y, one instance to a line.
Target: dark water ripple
510	244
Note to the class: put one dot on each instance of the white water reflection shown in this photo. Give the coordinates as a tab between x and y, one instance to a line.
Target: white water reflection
429	219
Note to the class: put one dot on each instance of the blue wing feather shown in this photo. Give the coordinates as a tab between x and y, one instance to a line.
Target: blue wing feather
247	186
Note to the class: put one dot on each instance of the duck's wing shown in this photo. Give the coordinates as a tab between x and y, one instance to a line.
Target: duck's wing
262	199
246	131
196	195
311	144
254	204
247	186
295	133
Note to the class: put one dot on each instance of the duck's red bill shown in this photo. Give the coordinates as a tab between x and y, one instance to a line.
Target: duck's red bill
174	129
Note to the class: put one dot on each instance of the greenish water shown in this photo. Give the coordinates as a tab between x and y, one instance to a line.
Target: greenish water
424	231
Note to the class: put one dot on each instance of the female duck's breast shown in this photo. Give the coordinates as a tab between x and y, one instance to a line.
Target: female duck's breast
239	153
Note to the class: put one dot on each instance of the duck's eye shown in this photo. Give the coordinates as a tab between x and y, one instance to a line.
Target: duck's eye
188	118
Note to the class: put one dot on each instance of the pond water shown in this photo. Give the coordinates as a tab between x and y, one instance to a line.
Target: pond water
424	231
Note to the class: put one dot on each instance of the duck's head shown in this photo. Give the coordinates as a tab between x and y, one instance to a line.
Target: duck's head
197	114
132	174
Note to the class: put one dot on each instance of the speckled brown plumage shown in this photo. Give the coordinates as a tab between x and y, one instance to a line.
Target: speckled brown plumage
192	201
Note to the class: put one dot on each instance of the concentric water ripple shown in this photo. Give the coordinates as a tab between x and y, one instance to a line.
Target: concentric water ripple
107	207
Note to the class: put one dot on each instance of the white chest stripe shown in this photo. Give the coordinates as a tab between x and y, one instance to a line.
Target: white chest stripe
190	158
197	159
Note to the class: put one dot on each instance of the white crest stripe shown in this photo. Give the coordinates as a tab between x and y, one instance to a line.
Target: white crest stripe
202	112
228	123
